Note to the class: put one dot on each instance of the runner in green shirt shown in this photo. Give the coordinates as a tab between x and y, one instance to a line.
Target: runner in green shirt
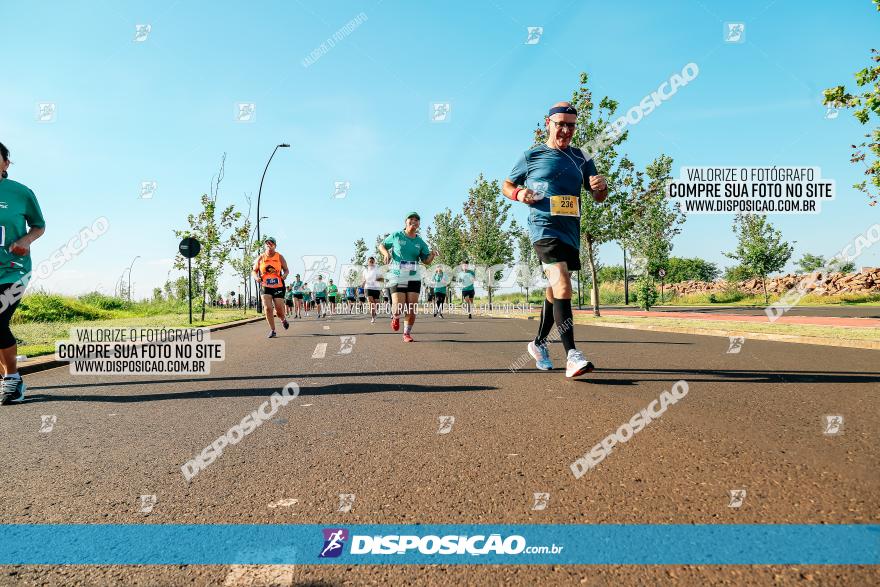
466	278
332	290
439	280
297	289
288	299
404	249
307	298
21	223
321	297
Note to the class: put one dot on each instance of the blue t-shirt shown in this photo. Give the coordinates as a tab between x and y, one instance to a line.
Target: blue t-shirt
563	171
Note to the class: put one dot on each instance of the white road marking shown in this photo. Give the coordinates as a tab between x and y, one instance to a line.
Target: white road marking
305	405
320	351
326	328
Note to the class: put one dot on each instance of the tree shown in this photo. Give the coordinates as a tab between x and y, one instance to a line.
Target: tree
691	269
809	263
630	183
359	259
179	288
654	223
736	274
250	250
447	238
487	241
379	239
597	220
611	273
865	104
157	294
760	249
528	259
216	235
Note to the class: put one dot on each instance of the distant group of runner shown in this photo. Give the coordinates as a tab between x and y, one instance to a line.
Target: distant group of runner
394	291
548	178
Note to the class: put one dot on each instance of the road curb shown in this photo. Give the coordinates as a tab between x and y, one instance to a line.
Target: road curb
49	362
792	338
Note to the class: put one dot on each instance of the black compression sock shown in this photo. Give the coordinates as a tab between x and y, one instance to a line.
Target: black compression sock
564	323
546	323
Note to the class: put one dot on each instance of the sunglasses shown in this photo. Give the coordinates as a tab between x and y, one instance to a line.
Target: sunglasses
570	125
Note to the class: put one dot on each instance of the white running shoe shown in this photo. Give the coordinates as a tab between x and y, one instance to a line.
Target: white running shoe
541	356
577	364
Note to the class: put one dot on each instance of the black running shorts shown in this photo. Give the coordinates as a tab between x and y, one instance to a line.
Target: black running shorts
275	292
414	286
553	250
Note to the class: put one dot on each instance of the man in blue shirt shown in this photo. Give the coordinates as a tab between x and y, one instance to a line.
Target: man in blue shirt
548	178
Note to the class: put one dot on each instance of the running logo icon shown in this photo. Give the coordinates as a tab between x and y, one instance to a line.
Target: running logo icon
340	189
141	32
446	423
318	265
47	423
334	541
833	425
441	112
737	496
245	112
147	503
346	501
46	112
734	32
541	501
148	188
346	344
736	344
534	35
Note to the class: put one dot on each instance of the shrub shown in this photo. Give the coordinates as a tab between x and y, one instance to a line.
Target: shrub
43	307
104	302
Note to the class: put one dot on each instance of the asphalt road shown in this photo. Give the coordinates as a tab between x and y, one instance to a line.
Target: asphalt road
366	423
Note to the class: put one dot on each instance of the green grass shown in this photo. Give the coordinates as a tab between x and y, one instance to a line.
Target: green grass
43	318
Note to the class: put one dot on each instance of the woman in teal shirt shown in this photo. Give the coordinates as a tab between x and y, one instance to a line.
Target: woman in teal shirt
406	249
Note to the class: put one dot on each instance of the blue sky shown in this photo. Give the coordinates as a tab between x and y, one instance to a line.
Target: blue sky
163	109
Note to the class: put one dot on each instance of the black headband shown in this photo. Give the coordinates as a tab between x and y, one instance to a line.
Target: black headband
562	110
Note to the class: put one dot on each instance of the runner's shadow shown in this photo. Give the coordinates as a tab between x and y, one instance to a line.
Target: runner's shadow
335	389
664	343
691	375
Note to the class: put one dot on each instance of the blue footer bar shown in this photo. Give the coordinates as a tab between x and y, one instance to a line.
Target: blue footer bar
603	544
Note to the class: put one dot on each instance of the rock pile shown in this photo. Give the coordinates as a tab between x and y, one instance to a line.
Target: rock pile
867	281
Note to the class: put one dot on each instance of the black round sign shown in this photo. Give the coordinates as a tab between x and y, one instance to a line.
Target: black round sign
189	247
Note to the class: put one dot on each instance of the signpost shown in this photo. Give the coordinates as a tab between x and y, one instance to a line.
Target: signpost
189	248
662	274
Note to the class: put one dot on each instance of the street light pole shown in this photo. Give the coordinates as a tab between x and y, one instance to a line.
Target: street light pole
260	193
121	282
256	283
129	276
